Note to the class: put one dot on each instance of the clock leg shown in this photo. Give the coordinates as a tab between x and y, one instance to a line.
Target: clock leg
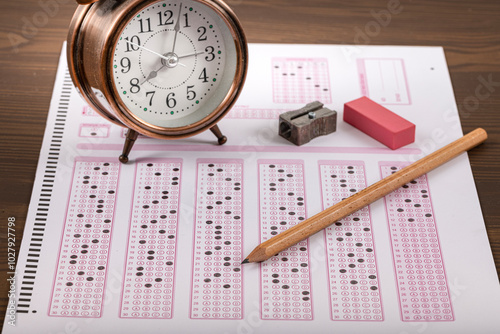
127	147
216	131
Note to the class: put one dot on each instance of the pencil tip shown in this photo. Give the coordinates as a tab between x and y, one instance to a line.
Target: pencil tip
245	261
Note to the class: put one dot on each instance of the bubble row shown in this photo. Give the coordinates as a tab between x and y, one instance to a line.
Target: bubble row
285	278
83	259
217	286
148	286
352	267
418	261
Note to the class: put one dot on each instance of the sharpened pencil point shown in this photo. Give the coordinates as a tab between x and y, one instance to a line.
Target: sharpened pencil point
245	261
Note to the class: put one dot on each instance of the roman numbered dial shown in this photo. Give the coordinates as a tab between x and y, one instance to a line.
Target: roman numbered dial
166	69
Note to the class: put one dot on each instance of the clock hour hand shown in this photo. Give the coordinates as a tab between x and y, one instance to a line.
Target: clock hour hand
152	75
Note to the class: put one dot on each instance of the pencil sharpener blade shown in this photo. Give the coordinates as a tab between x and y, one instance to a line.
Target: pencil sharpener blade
302	125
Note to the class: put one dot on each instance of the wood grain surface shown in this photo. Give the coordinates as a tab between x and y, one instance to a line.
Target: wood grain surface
32	32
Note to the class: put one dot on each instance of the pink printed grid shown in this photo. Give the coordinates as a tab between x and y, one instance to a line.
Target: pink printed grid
80	279
217	286
352	267
301	80
94	130
418	261
402	93
254	113
148	285
285	278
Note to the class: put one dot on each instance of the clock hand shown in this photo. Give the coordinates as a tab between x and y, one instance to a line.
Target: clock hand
191	54
155	53
142	47
153	74
177	27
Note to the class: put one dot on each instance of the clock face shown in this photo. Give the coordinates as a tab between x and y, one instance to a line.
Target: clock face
174	63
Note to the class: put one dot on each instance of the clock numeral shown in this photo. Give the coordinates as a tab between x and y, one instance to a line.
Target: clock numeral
211	55
151	98
171	102
203	76
135	86
203	36
134	39
168	14
148	21
191	94
125	63
186	21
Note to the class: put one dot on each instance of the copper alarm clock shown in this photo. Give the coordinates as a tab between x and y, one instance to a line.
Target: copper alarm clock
165	69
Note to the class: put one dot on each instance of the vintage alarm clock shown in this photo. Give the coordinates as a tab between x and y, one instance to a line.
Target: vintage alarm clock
166	69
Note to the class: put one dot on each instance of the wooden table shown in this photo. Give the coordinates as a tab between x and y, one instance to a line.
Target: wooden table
31	36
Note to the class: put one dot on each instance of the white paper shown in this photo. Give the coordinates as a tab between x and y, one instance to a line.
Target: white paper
449	261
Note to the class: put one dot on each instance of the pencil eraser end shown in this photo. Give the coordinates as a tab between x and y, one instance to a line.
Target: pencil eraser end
379	123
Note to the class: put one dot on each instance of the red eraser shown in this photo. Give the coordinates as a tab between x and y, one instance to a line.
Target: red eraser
379	123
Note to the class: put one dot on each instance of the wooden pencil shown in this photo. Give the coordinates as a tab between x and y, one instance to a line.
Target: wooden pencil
363	198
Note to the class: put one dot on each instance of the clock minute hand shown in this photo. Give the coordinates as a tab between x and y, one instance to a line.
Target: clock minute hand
177	27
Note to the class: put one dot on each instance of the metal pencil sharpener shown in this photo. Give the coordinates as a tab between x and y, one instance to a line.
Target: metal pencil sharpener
302	125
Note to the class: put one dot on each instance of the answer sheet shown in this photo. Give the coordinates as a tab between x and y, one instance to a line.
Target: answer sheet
156	245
